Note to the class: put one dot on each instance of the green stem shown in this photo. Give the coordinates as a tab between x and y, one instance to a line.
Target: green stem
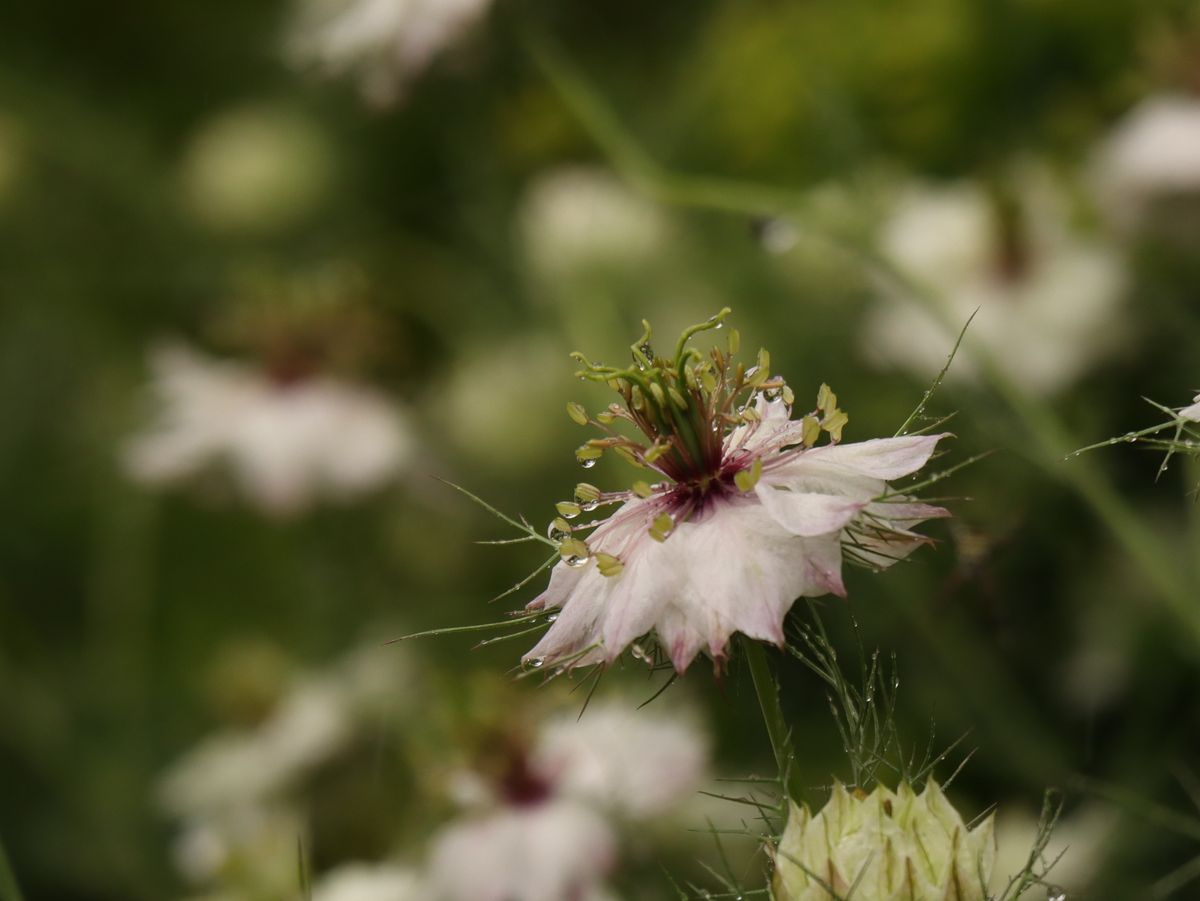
767	691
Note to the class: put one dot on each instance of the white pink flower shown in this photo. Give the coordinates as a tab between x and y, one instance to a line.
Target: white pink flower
1147	171
1044	295
386	43
751	515
285	443
547	830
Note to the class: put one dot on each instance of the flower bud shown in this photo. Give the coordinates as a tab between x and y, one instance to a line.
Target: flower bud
884	845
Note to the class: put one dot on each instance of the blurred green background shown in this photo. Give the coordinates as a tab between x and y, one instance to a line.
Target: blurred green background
161	165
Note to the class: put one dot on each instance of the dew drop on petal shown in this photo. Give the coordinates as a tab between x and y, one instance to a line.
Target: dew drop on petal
551	617
535	662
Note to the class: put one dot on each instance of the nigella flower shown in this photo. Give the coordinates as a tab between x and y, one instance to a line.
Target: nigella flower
1147	171
1043	297
366	882
545	830
749	514
385	42
884	846
286	441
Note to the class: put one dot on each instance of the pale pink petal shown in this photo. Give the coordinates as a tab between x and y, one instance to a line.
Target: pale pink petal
879	458
650	580
804	513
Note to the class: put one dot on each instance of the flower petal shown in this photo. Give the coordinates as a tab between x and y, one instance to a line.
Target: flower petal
806	513
879	458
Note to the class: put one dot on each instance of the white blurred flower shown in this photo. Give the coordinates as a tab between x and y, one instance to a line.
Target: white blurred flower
257	843
1078	844
233	769
1147	172
499	389
363	882
384	43
555	850
623	759
256	168
887	845
1048	298
578	219
286	444
545	832
314	721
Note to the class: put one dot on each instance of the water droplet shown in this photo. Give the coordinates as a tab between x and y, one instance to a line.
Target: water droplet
589	506
1053	893
639	653
556	534
587	464
535	662
575	561
551	617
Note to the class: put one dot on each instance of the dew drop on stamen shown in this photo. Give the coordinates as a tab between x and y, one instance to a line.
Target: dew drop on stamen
575	561
551	617
587	464
589	506
1055	894
535	662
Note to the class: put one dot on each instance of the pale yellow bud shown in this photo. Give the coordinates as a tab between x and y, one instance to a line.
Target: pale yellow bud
886	846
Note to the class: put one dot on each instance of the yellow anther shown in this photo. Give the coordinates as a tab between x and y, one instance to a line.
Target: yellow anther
609	565
642	489
746	479
573	547
834	423
810	429
568	509
826	400
577	413
586	494
662	526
